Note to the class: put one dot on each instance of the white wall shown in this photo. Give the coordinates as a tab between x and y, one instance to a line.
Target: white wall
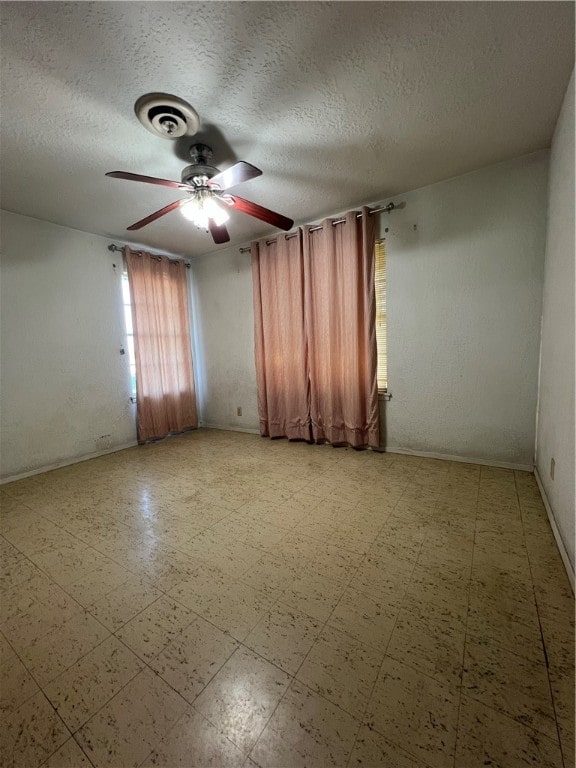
464	302
555	437
465	267
65	387
223	320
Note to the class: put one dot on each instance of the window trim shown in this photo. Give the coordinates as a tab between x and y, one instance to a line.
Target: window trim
131	362
383	392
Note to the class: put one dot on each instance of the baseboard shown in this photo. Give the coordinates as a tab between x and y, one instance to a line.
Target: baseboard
463	459
208	425
555	530
66	463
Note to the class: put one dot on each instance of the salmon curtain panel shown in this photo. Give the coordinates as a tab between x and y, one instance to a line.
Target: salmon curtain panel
165	392
280	340
340	313
315	333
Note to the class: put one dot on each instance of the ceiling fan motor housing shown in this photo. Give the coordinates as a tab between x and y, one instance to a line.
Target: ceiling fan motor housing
201	155
166	116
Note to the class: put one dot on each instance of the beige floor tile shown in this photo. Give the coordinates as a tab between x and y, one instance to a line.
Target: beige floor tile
299	547
485	737
269	574
440	590
202	587
314	595
69	756
371	750
192	659
284	636
10	506
16	570
239	610
333	562
351	538
8	552
505	594
342	670
164	570
63	646
384	580
30	734
567	741
128	728
16	683
33	609
408	707
148	633
80	691
124	602
510	684
305	730
397	544
38	535
194	741
490	625
364	618
241	698
489	558
447	560
97	583
67	564
256	533
22	629
434	648
562	677
316	527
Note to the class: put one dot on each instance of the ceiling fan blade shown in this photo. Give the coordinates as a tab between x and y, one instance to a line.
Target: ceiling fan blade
147	179
158	214
236	175
265	214
219	233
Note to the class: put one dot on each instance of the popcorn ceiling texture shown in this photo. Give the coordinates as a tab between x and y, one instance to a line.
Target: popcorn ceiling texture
338	103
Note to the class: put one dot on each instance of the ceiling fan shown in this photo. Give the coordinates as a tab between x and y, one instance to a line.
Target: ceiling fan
208	198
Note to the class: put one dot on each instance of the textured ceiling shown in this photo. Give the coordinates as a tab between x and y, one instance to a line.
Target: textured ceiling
337	103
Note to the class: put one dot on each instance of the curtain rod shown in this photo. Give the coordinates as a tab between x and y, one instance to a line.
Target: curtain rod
113	247
385	209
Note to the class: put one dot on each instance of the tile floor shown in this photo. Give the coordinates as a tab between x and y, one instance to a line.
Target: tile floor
222	600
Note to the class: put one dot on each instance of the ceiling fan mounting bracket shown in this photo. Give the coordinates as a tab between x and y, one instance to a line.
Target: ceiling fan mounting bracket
201	154
166	116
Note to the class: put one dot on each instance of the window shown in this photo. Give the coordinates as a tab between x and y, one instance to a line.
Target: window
129	332
381	323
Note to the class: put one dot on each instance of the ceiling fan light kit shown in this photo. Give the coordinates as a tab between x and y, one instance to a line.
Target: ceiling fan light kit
200	209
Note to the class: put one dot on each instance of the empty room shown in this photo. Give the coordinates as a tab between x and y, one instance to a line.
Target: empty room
287	373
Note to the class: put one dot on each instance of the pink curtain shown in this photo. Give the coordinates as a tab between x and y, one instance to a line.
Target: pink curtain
315	333
280	342
166	398
340	312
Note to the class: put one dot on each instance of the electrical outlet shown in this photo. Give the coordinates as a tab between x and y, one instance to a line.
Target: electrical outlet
239	411
552	468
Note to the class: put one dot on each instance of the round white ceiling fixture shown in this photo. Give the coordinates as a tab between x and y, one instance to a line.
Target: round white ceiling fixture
166	116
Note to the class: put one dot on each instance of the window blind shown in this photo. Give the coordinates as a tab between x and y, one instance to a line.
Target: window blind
381	323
